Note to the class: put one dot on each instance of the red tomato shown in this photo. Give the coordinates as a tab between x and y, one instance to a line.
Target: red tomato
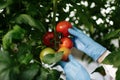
62	27
48	39
66	52
66	42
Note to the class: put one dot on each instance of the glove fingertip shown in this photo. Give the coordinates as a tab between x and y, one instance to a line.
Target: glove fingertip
72	31
75	32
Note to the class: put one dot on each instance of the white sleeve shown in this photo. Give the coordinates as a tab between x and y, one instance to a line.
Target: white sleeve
110	71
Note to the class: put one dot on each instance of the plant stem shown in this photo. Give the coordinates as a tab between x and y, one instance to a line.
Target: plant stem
54	13
54	20
119	41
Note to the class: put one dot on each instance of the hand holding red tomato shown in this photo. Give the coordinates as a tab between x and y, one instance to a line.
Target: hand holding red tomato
64	44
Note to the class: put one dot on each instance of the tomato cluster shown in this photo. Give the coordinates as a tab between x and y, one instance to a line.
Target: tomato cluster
63	42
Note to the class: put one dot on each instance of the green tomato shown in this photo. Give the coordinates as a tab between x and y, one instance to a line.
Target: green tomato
46	51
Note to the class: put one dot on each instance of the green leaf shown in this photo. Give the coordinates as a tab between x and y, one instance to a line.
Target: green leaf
16	33
118	72
113	58
54	75
7	40
43	74
49	74
112	34
23	49
52	58
30	72
5	3
26	58
8	71
101	70
24	54
27	19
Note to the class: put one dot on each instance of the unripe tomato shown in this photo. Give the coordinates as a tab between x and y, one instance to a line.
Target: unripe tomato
48	38
46	51
66	42
63	27
66	52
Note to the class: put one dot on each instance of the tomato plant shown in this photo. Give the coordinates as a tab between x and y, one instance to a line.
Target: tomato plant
62	27
66	42
24	22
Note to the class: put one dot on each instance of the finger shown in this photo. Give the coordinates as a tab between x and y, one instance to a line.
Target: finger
76	29
73	60
75	33
79	44
83	38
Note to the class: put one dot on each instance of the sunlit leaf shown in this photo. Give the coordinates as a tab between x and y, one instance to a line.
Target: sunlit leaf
16	33
5	3
27	19
112	34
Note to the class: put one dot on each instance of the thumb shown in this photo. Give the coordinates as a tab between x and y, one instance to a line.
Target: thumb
63	63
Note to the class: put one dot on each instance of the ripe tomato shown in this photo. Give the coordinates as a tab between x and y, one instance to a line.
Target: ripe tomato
66	52
62	27
48	38
46	51
66	42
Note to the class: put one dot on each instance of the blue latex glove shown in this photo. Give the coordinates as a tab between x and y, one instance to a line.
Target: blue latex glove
74	70
86	44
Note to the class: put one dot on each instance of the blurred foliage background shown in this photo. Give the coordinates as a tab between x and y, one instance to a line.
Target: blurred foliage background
23	22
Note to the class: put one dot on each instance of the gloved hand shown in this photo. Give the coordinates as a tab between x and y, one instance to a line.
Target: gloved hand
74	70
86	44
